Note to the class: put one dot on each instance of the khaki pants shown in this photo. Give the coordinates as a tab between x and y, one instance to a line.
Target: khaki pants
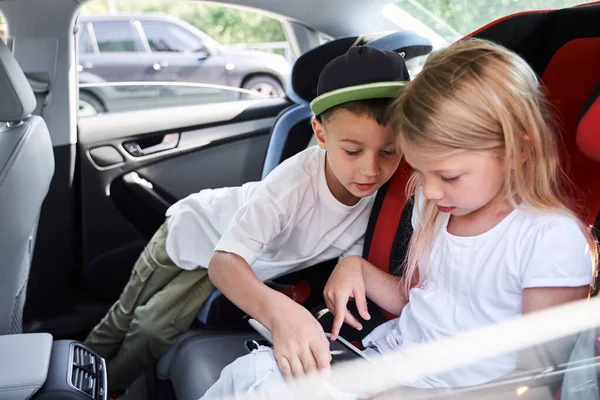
159	302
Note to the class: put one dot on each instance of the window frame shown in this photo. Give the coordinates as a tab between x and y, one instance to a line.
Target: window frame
89	29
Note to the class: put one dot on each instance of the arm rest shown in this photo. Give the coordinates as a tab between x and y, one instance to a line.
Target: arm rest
24	361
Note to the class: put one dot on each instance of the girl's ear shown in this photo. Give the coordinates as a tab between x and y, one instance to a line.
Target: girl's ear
319	131
524	154
526	150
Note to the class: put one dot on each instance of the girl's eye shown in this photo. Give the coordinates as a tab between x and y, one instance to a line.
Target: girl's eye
352	153
388	153
453	179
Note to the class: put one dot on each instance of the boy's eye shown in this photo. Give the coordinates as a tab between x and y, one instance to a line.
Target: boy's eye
453	179
352	153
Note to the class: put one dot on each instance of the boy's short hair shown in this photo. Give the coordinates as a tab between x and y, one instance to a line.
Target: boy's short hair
376	109
360	81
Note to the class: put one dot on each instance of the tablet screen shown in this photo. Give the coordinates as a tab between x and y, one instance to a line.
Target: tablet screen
342	350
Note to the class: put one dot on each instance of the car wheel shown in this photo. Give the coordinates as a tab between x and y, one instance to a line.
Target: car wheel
89	105
265	85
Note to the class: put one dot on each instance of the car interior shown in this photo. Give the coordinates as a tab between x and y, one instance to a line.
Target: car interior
79	199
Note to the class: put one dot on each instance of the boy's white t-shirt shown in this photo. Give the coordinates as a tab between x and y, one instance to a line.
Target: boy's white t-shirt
479	280
288	221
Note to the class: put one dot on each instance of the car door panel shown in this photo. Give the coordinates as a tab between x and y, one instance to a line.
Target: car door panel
188	173
124	196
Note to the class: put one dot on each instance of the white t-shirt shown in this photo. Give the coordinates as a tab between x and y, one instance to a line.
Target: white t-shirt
288	221
479	280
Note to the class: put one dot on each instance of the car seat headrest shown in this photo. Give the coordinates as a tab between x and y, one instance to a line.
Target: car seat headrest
17	100
409	44
588	128
308	67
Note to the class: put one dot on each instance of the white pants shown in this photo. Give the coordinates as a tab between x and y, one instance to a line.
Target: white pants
257	376
248	374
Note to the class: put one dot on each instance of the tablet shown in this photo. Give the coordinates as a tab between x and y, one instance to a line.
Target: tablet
341	349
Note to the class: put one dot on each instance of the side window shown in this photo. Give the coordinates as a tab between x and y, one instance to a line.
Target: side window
117	37
85	42
168	37
173	51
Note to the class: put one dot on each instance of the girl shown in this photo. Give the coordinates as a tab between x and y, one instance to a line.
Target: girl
493	235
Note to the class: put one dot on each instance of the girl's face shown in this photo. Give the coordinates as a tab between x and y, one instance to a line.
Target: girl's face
461	183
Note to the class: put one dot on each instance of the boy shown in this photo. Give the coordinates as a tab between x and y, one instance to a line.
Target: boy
313	207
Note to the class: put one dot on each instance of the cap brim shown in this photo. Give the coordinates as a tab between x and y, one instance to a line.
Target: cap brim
377	90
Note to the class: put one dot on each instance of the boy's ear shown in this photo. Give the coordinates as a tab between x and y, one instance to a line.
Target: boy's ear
319	131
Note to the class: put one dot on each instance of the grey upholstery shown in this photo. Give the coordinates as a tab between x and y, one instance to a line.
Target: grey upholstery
195	363
26	169
293	121
24	364
17	101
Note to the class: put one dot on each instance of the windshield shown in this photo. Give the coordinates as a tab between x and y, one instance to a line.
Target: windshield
445	21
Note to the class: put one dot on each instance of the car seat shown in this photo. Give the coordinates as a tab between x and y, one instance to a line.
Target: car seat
26	169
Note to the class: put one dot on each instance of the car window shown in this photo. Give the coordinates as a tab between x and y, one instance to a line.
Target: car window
179	43
119	36
444	22
447	21
85	43
167	37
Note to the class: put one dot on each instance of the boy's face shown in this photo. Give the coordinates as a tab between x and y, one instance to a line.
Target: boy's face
361	154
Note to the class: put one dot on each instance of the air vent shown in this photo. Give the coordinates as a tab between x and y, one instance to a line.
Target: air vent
87	374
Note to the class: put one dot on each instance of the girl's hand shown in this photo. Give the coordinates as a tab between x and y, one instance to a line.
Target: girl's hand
346	281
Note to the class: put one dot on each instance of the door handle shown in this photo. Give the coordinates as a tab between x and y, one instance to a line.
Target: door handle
157	66
148	146
85	65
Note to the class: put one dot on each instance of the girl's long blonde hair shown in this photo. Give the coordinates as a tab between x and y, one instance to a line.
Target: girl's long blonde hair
478	96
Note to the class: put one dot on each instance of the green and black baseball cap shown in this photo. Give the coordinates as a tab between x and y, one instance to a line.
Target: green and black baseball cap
362	73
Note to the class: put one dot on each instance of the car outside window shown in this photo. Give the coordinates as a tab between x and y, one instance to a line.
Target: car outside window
130	52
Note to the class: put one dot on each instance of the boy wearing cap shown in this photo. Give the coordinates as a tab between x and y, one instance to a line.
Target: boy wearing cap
313	207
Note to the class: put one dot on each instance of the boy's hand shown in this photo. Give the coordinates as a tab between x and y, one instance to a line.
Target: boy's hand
346	281
300	344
